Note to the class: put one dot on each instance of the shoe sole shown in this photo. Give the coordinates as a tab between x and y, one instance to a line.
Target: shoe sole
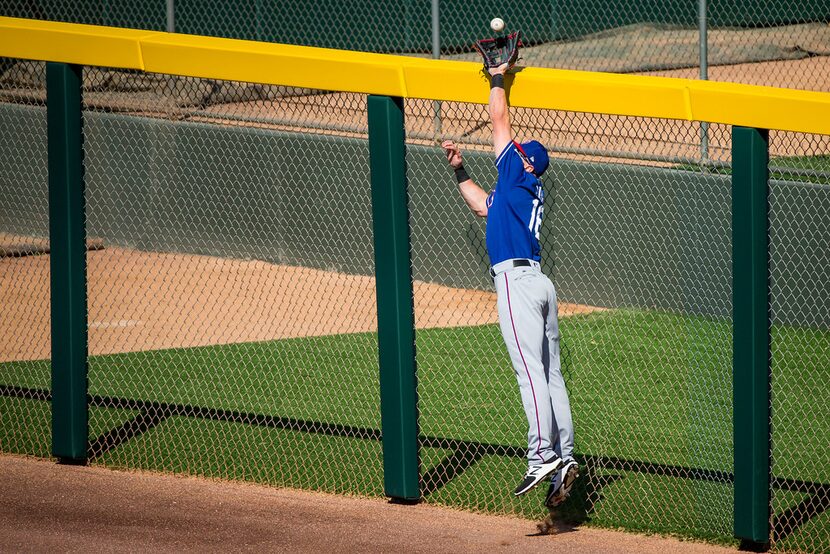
567	484
539	479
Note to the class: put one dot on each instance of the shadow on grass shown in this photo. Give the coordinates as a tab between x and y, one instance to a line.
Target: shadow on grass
453	465
135	427
816	503
586	495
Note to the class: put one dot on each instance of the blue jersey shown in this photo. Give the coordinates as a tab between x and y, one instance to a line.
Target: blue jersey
514	210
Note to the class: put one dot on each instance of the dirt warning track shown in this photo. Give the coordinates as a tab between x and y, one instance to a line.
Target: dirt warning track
45	506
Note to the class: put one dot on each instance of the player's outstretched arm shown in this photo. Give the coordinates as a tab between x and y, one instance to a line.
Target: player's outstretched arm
499	114
473	195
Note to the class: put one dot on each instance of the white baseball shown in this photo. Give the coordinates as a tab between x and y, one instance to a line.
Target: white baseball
497	24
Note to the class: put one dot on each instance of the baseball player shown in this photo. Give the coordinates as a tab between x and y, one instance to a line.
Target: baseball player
526	297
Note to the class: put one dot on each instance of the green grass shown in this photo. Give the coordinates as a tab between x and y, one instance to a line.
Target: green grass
648	389
780	165
25	424
815	163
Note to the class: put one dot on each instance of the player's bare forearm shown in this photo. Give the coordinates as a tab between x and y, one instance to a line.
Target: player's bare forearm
473	195
499	113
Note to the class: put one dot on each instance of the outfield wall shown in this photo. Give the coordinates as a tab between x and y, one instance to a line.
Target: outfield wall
181	200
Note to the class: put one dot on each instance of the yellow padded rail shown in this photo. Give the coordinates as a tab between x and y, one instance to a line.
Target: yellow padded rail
338	70
48	41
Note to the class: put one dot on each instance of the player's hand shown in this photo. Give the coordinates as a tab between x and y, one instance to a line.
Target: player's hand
500	70
453	154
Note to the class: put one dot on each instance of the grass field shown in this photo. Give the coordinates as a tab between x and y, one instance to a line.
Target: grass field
786	168
651	395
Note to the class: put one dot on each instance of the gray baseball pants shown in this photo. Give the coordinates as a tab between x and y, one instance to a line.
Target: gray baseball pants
530	327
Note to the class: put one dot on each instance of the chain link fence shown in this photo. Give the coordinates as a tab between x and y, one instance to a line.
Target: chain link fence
25	413
232	311
231	308
641	257
800	343
640	251
777	43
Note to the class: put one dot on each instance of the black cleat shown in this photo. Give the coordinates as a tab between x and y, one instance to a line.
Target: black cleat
536	473
562	483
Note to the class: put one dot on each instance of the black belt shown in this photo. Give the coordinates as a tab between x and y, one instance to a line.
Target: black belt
516	263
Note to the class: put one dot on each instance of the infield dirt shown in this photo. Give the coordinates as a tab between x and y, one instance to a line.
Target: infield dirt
150	301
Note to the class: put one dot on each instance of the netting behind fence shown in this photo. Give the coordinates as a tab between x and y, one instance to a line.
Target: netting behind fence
25	413
771	43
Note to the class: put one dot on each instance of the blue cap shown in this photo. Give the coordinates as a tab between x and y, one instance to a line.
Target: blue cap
537	155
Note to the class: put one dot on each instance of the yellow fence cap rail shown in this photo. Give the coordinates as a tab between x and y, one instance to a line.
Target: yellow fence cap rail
762	107
278	64
411	77
70	43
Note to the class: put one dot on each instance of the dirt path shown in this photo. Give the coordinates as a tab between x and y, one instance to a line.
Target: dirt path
45	506
149	301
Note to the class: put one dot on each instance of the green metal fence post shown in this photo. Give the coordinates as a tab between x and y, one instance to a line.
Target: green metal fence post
67	237
396	322
751	342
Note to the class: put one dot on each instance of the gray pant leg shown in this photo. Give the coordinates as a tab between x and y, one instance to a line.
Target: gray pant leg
522	296
563	422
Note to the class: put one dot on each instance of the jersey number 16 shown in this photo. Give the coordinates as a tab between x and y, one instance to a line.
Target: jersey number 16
536	217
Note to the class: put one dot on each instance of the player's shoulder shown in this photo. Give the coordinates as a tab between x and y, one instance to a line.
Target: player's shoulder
507	154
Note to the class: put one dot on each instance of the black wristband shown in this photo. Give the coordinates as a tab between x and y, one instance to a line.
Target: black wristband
497	81
461	175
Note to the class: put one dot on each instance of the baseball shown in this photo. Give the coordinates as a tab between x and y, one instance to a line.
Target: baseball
497	24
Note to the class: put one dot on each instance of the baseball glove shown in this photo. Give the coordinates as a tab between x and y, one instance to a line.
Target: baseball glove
499	50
